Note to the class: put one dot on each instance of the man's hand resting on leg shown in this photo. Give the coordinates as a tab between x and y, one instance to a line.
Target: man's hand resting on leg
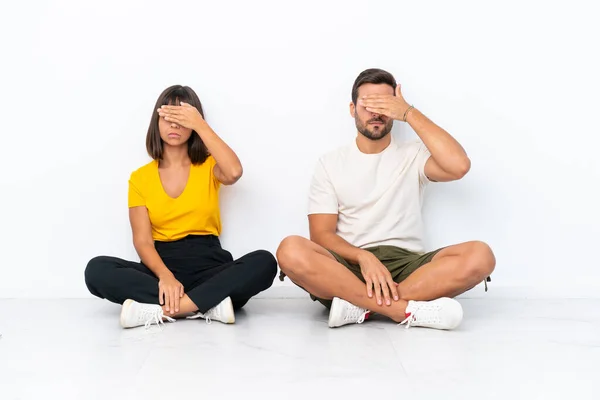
377	278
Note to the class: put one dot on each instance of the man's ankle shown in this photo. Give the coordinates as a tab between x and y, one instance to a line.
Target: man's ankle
397	311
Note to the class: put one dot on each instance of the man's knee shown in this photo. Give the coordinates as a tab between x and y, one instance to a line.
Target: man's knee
479	260
291	255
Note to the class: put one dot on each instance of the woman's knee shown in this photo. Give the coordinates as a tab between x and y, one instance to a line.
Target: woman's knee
96	270
265	260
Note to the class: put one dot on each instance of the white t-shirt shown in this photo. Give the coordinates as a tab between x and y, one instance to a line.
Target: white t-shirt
377	197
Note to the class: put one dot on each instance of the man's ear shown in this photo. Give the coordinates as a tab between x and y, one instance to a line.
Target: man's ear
352	110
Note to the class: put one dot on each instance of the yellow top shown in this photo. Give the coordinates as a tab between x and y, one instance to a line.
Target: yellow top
194	212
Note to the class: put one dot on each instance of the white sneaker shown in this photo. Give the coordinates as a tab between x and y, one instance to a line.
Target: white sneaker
135	314
343	313
222	312
442	313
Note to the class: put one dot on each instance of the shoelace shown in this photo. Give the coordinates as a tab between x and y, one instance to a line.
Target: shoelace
154	316
214	313
356	313
206	316
409	320
425	315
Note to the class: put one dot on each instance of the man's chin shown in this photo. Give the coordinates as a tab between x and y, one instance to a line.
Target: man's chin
375	135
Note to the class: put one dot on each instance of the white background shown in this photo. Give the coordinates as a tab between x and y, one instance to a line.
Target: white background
516	82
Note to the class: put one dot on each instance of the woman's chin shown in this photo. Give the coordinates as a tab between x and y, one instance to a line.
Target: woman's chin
174	142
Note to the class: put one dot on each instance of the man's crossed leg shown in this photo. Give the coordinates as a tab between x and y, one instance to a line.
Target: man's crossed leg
423	292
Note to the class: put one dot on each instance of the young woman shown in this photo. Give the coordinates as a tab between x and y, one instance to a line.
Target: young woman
175	220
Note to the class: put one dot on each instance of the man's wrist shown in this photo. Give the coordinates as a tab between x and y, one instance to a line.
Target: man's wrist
363	255
408	113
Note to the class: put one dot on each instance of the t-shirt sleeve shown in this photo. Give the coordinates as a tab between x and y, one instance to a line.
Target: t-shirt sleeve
322	198
423	155
135	197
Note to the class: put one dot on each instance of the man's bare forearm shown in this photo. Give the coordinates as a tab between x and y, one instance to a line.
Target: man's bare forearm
444	149
331	241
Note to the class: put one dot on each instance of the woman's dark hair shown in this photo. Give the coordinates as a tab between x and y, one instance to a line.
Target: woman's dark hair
372	75
174	95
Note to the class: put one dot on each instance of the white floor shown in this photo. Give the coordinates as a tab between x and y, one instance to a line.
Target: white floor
505	349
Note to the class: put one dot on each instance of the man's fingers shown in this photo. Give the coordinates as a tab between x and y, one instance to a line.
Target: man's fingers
377	290
181	291
373	102
161	294
393	288
382	111
369	287
377	106
386	97
385	290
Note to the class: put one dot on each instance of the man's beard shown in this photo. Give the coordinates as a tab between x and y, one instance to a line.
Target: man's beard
372	134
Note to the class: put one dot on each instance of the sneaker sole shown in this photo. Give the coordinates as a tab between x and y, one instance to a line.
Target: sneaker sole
334	305
229	305
124	310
